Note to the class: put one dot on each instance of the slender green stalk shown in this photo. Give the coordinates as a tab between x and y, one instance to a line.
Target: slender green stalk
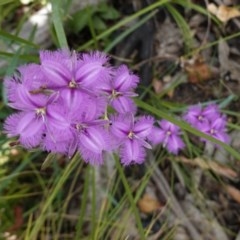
233	126
91	28
18	170
211	44
10	37
30	222
25	57
183	25
67	200
104	210
39	222
58	25
93	210
130	198
83	206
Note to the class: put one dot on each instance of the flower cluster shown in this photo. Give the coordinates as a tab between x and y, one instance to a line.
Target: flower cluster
63	105
73	102
208	120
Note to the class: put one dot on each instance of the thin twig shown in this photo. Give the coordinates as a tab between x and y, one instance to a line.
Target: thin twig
204	41
159	58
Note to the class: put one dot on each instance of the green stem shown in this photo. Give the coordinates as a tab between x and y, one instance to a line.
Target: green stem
83	206
130	198
41	219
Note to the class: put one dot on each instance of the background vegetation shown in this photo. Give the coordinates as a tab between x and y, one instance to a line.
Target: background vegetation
185	52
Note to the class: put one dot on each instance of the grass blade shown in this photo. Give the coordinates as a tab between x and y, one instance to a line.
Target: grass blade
58	25
3	2
127	32
124	22
9	36
130	198
42	217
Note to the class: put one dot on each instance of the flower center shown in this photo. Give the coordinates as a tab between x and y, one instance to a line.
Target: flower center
212	131
41	111
169	133
80	127
72	84
131	135
200	117
115	94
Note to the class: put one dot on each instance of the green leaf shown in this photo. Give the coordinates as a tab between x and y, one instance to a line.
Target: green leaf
25	57
8	36
80	19
3	2
48	160
110	13
99	24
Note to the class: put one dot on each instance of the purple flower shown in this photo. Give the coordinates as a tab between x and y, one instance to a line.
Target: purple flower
131	136
20	88
29	125
93	137
59	136
78	128
208	120
93	143
217	129
196	115
168	136
120	89
74	75
31	122
211	112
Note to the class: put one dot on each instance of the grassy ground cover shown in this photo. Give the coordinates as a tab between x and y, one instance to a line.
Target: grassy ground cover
185	52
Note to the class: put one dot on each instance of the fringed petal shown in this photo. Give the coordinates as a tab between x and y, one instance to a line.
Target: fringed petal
174	144
143	126
92	144
124	105
92	69
132	152
121	126
27	126
57	68
124	80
